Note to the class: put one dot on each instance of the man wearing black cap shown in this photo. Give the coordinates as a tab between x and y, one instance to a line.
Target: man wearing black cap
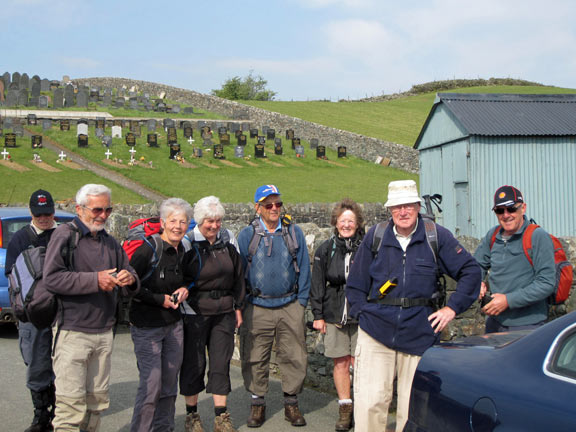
518	289
36	344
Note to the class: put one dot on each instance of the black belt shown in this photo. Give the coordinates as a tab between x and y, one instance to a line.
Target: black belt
404	302
214	294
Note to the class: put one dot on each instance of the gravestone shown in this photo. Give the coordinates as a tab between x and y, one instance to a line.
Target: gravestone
167	123
200	124
69	96
278	151
197	152
81	129
34	80
188	110
259	151
116	131
46	124
98	132
94	95
16	78
82	141
107	99
1	91
253	133
8	122
36	141
222	130
43	101
225	139
18	130
12	98
24	81
172	135
45	85
206	132
295	142
188	132
289	134
64	125
82	99
119	102
176	109
14	86
264	130
237	133
6	79
136	129
54	84
239	151
23	97
321	152
314	143
133	103
32	120
234	127
341	151
262	140
160	107
219	151
107	141
130	139
35	94
152	140
10	140
174	150
58	98
245	127
242	139
271	134
101	123
151	125
299	151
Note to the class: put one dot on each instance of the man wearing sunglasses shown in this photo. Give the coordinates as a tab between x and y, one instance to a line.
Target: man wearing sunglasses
516	292
87	287
278	282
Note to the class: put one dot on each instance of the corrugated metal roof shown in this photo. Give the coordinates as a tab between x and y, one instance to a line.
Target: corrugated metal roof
513	114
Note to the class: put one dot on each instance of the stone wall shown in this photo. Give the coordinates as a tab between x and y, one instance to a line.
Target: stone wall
402	157
314	219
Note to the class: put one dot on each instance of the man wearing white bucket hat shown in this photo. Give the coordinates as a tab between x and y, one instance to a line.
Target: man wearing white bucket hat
392	289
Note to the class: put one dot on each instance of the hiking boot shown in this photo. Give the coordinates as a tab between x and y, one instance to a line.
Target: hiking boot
257	416
193	423
293	415
344	422
43	410
223	423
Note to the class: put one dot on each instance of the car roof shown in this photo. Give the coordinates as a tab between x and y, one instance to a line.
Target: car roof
20	212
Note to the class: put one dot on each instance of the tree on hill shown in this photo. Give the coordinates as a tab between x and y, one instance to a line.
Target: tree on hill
248	88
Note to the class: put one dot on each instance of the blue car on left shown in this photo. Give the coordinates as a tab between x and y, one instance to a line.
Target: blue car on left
11	220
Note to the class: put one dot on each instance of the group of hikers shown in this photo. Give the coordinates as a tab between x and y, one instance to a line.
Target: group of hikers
374	296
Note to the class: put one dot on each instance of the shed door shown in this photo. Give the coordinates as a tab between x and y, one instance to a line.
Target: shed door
462	208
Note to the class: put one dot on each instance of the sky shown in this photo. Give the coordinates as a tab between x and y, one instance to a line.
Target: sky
305	49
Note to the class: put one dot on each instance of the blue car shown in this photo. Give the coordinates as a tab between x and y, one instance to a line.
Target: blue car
11	220
516	381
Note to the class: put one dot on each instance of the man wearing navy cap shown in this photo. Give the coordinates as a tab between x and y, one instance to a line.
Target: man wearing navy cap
36	344
277	267
518	289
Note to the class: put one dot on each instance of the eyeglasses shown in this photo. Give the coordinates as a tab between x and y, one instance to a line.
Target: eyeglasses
98	210
407	207
271	205
511	210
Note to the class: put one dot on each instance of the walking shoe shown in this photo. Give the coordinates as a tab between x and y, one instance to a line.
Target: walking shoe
293	415
344	422
257	416
193	423
223	423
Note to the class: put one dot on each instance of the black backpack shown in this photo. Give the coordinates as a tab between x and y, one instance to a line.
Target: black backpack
30	300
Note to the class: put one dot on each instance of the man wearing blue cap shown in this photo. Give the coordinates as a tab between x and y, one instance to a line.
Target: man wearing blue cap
277	267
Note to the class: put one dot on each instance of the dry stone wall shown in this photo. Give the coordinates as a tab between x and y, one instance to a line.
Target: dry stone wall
364	147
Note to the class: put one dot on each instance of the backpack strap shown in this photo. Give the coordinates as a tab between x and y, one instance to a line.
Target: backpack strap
155	242
378	236
527	241
493	237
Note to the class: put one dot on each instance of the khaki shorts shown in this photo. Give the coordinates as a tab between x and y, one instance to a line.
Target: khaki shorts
340	342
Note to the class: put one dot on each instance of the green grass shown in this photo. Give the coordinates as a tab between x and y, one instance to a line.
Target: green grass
18	186
398	120
300	179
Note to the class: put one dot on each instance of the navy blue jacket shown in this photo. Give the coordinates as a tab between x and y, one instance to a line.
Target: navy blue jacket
408	329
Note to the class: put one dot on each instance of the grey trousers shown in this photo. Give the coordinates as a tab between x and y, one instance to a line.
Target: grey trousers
36	350
159	353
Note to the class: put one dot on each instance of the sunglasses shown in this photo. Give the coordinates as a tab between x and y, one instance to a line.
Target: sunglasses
501	210
271	205
98	210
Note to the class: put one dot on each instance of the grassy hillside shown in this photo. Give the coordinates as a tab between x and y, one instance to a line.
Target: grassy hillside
397	120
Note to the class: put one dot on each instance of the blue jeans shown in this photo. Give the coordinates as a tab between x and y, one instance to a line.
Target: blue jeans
159	353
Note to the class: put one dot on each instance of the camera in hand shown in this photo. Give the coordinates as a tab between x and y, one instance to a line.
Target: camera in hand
174	298
485	300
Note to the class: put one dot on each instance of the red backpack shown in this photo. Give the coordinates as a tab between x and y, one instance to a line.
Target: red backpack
146	230
564	272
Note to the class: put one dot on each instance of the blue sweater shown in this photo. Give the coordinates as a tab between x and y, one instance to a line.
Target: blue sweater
272	271
526	287
408	329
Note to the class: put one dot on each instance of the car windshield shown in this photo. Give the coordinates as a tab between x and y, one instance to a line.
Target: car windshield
9	228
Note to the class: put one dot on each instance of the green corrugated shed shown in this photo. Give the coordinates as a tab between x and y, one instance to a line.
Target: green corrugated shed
471	144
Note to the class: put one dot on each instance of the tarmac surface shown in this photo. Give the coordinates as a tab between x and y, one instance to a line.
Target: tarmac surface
319	409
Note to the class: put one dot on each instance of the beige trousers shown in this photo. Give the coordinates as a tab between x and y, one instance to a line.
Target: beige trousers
374	371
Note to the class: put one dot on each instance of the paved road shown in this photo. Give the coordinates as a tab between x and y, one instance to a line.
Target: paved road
319	409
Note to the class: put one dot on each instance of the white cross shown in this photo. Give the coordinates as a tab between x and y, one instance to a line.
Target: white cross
5	153
132	151
62	155
108	154
190	140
